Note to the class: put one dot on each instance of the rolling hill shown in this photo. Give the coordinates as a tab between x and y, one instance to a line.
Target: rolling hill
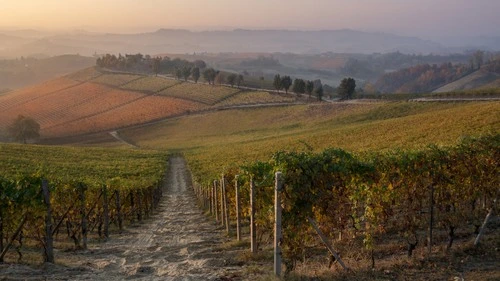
240	40
23	72
480	79
91	101
217	141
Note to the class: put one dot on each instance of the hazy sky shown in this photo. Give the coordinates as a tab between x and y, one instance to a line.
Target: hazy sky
424	18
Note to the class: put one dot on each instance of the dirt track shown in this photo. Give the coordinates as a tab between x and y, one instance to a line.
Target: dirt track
177	243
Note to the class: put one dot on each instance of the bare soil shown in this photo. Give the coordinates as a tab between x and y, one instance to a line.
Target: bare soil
177	243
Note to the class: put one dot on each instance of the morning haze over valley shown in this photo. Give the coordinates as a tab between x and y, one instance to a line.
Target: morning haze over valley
249	140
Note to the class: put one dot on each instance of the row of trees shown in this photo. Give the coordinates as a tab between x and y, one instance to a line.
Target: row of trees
147	64
345	90
213	77
299	86
181	69
421	78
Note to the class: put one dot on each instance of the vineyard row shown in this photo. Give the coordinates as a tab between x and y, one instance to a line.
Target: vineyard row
422	197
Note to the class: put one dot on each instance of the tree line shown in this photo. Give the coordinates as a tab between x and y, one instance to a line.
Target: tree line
179	68
421	78
183	70
345	90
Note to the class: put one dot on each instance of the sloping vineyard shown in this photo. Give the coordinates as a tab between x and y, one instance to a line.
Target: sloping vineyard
255	97
53	194
115	80
417	195
85	75
150	84
22	96
199	93
120	109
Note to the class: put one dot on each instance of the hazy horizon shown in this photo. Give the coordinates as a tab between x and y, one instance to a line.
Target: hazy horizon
423	18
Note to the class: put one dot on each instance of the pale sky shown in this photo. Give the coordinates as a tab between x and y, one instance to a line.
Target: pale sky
424	18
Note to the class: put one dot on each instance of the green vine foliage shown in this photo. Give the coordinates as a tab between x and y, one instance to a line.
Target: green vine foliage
366	196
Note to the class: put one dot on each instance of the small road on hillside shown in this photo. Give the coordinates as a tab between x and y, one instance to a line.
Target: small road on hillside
177	243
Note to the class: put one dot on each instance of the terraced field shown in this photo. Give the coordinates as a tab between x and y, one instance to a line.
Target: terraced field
92	101
116	80
22	96
85	74
60	106
139	109
199	92
150	84
254	97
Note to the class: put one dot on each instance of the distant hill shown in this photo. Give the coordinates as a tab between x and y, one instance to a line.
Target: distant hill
476	80
423	78
240	40
447	77
9	41
22	72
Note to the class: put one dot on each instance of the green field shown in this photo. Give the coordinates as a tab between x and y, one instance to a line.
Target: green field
126	168
219	140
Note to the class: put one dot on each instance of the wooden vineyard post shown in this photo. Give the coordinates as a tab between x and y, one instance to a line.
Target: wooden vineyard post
48	239
210	202
119	210
431	220
105	211
1	233
253	244
226	211
83	215
202	197
221	191
483	226
327	244
206	198
16	233
277	224
139	206
216	205
132	206
145	202
152	200
214	199
237	192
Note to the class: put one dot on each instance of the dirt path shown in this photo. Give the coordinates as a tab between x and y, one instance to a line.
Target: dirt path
177	243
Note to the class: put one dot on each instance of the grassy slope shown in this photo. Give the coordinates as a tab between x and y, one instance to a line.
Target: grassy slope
219	140
91	164
475	80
